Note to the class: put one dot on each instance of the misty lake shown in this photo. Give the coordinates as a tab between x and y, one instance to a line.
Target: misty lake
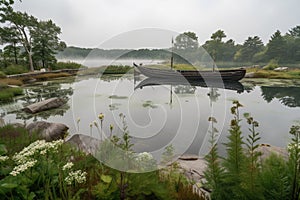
160	115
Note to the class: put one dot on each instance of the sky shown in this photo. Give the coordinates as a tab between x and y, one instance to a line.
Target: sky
91	23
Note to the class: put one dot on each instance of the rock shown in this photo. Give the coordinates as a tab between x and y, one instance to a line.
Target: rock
281	69
250	75
266	150
84	143
188	157
44	105
48	131
193	169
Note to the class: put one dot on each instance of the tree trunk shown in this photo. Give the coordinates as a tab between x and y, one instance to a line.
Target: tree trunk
30	61
15	53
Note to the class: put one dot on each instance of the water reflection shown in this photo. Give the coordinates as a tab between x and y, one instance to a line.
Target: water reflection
288	96
39	92
189	86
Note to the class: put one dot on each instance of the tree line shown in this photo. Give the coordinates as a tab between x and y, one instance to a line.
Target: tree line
280	48
35	43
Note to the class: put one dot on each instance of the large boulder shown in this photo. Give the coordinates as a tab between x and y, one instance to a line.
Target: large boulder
48	131
84	143
44	105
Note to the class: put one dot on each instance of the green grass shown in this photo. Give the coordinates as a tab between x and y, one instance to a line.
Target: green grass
7	94
66	65
262	73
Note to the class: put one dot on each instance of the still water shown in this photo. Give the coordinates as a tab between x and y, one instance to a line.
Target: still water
163	114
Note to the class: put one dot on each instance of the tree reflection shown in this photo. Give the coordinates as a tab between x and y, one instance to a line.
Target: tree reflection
288	96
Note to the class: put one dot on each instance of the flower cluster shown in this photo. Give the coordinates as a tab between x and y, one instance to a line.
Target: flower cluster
24	158
22	167
144	157
3	158
69	165
76	176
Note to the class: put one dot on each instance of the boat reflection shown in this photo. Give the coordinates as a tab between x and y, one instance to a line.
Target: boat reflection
234	85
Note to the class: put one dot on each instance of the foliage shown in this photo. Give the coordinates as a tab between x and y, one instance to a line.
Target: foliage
38	38
294	161
15	69
251	46
2	75
45	41
273	64
274	178
186	41
214	173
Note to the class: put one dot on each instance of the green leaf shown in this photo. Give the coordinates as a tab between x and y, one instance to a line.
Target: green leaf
9	185
106	178
3	149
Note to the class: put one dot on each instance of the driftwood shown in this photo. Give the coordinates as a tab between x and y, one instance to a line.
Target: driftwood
44	105
48	131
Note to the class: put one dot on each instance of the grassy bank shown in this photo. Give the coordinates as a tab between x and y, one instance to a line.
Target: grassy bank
271	74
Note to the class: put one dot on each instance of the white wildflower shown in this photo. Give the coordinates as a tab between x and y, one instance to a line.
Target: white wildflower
3	158
144	157
39	146
22	167
76	176
69	165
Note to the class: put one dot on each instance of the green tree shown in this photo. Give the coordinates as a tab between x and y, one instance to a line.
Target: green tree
45	42
292	39
276	47
186	41
23	24
219	50
9	36
218	35
295	32
251	46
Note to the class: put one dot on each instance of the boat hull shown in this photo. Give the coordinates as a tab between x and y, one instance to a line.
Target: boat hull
225	75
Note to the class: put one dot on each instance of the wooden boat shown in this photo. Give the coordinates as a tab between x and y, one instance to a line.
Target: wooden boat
225	75
229	85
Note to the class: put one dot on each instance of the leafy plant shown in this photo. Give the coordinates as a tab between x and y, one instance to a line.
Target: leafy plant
214	173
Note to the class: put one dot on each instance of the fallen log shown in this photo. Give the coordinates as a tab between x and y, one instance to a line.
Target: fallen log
44	105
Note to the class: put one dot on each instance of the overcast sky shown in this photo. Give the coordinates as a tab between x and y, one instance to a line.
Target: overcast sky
91	22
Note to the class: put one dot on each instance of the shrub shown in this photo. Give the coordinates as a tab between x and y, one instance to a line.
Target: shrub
15	69
273	64
2	74
66	65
